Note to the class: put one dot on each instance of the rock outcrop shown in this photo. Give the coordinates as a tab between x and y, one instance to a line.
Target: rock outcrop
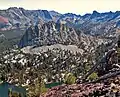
48	34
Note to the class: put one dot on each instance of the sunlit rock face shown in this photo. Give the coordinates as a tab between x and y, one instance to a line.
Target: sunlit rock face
48	34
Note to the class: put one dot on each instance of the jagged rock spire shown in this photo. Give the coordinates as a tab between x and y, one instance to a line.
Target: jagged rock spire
49	33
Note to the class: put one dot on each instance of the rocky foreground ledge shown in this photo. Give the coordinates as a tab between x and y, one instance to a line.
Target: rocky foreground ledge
107	88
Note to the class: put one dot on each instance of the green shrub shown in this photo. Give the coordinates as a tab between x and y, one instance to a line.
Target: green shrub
93	76
37	89
13	93
70	79
86	67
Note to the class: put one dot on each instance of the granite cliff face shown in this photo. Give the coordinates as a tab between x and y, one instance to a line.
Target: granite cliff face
48	34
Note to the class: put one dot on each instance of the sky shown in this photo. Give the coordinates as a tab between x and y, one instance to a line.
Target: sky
65	6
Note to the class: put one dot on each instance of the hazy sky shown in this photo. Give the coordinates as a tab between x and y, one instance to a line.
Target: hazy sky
64	6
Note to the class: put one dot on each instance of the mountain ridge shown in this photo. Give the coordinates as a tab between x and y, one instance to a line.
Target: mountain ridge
92	23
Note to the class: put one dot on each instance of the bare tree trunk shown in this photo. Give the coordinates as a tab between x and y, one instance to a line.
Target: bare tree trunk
109	75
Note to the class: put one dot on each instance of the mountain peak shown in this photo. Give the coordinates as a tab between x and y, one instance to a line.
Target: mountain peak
95	12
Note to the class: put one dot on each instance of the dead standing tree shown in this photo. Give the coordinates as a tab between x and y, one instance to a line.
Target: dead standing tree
106	63
103	65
